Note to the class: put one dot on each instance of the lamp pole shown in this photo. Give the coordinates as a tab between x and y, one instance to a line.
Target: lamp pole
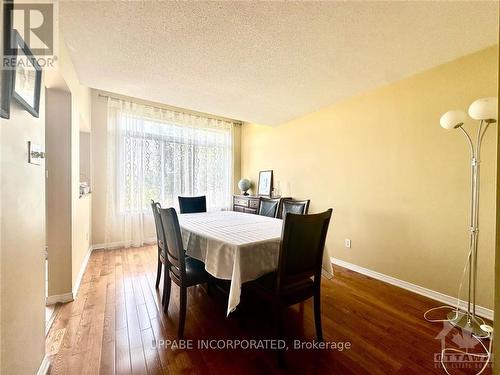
484	110
469	321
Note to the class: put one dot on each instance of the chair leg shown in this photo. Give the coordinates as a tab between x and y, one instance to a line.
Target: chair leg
182	312
158	273
317	316
167	284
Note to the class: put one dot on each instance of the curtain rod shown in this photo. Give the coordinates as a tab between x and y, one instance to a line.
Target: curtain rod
176	109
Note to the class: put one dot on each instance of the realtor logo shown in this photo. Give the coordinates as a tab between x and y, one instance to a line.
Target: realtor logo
35	24
463	352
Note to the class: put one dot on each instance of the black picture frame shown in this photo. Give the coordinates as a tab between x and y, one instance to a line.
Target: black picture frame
265	186
22	48
6	72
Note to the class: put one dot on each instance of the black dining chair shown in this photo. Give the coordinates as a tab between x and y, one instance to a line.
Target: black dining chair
269	206
299	267
293	206
191	205
182	270
162	253
159	240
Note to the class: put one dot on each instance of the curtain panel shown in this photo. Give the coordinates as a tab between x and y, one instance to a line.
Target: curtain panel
159	154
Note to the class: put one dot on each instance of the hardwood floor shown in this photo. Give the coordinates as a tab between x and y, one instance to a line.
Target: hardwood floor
113	324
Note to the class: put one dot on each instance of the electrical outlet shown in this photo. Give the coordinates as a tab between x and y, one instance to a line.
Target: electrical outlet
347	243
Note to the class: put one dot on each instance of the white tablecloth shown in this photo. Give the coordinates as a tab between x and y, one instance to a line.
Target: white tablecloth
235	246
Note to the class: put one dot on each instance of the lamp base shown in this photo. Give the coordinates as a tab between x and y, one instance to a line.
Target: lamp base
467	322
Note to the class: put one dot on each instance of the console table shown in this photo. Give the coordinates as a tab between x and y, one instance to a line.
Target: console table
249	204
246	203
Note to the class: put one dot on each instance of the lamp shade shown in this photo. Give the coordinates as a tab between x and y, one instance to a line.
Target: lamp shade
484	109
452	119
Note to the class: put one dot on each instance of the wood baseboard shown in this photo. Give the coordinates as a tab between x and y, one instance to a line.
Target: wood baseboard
68	297
437	296
83	267
117	245
59	298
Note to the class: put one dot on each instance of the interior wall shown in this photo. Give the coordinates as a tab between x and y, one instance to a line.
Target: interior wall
1	212
85	157
81	237
398	182
58	185
80	215
98	143
496	344
22	281
77	216
236	158
99	172
23	235
80	121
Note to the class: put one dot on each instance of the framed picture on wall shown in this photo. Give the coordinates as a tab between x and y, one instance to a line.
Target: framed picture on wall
265	186
27	78
5	88
5	72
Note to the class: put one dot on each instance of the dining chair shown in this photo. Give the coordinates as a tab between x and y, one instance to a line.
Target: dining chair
293	206
162	254
182	270
298	276
191	205
269	206
159	240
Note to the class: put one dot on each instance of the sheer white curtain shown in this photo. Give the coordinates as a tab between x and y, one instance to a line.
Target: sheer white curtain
160	154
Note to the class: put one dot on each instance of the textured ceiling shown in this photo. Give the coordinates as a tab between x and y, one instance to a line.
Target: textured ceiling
265	62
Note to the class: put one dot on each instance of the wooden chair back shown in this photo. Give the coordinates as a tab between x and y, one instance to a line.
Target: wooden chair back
302	246
190	205
174	248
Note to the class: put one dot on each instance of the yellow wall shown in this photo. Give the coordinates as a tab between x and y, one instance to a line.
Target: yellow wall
22	240
69	243
80	119
398	182
58	190
23	226
22	284
496	345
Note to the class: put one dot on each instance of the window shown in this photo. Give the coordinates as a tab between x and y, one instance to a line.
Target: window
161	155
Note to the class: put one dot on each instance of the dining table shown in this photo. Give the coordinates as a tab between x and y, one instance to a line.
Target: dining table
235	246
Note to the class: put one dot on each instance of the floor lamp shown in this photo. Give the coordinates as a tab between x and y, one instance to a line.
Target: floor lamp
485	111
